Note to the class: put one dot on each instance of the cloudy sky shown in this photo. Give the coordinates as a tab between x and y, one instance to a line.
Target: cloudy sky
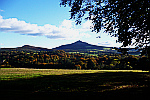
44	23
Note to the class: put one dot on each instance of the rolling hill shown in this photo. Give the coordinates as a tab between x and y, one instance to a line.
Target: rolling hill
26	48
77	46
84	47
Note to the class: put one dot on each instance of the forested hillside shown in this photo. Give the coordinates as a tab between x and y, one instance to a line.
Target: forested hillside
60	59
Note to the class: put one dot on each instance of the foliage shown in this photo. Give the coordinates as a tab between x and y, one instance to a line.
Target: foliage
91	64
125	19
61	60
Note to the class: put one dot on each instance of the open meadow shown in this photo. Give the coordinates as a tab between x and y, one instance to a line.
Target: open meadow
43	83
26	73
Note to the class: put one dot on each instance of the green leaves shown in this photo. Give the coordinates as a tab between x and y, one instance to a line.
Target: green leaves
126	19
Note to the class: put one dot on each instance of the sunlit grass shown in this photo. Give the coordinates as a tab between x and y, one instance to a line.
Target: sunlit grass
25	73
123	71
17	81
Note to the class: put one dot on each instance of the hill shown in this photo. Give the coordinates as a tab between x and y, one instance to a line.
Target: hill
84	47
79	45
26	48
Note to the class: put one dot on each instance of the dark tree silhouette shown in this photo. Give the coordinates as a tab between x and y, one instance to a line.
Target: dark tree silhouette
90	64
126	19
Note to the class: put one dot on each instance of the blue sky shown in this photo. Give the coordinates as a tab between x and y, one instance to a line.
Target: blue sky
44	23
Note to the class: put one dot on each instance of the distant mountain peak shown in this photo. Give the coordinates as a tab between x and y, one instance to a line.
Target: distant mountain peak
27	46
78	41
78	45
33	48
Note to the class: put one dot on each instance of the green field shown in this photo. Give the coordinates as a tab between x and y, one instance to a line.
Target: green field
39	83
25	73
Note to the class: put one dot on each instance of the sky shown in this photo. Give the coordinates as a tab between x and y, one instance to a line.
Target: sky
43	23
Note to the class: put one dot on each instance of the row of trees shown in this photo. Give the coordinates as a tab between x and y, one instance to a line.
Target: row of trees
61	59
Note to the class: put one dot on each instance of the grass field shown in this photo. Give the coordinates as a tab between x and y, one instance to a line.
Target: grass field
39	83
25	73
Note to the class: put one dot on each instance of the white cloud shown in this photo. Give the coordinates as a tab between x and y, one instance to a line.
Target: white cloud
1	10
85	35
67	24
87	25
66	30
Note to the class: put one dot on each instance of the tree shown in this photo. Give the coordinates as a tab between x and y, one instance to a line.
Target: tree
78	66
126	19
90	64
123	50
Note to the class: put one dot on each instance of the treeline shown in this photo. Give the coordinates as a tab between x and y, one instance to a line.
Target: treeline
60	59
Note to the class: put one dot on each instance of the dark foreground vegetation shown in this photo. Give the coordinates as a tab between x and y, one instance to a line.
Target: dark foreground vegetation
72	86
82	86
60	59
